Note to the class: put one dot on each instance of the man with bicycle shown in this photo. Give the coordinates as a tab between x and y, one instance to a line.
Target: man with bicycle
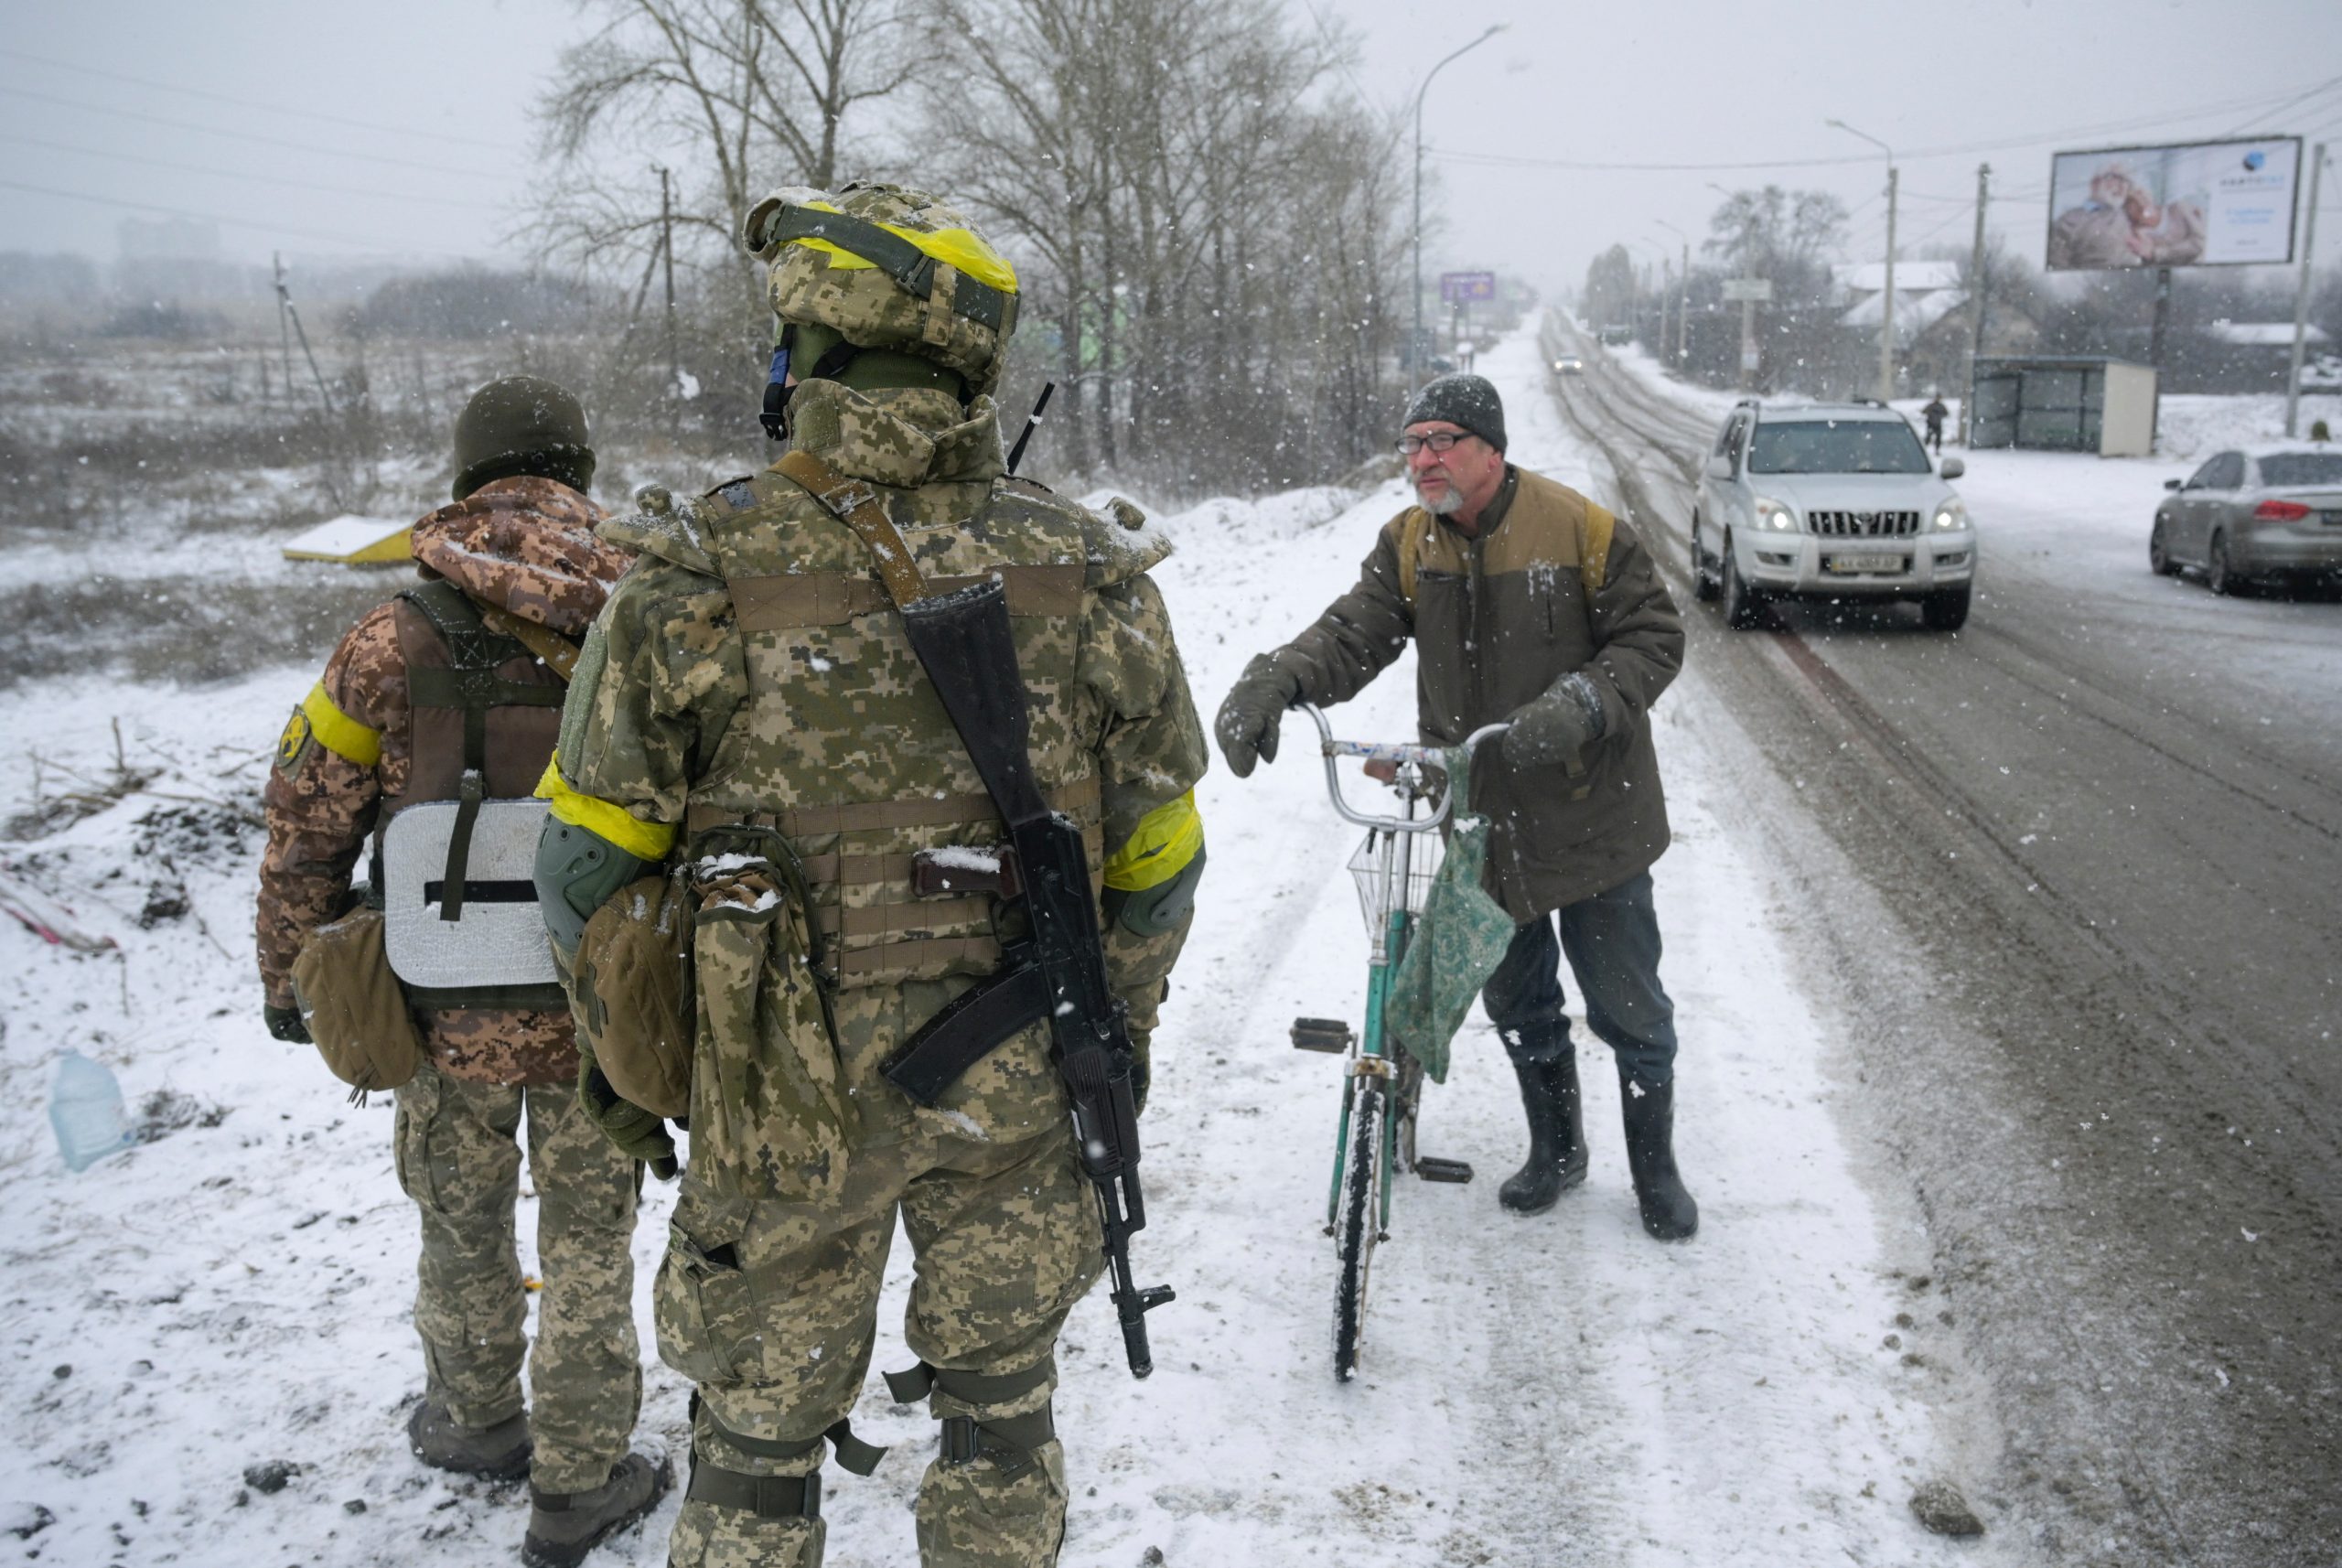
1528	604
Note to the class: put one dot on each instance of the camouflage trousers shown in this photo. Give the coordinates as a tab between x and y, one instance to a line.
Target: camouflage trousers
773	1310
459	1159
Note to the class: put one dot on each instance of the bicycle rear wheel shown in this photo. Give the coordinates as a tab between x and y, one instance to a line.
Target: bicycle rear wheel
1358	1223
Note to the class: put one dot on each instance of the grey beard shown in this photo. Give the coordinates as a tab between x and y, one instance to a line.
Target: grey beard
1450	501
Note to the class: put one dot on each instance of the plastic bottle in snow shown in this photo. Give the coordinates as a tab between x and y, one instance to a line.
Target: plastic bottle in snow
85	1108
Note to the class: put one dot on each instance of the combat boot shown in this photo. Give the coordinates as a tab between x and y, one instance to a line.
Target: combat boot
500	1452
564	1526
1556	1134
1669	1213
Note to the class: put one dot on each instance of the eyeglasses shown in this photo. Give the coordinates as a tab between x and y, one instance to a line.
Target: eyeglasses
1438	441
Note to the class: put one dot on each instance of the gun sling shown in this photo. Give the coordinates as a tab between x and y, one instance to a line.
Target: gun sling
1016	994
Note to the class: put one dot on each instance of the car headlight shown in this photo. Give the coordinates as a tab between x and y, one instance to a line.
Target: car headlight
1776	514
1952	513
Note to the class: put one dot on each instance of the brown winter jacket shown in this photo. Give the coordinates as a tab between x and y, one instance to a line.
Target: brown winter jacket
1552	584
356	748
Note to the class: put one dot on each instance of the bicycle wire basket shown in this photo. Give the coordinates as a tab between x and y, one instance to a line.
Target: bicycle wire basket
1423	852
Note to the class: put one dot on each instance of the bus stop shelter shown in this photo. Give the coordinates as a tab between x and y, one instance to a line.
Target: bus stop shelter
2065	403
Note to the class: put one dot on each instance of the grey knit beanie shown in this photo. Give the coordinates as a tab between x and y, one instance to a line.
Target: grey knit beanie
1469	401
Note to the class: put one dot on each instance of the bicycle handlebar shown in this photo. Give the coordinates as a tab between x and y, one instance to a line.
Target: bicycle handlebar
1389	751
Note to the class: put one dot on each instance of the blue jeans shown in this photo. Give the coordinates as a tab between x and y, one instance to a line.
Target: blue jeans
1612	940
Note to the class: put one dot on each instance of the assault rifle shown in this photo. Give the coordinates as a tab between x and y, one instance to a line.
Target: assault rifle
1059	973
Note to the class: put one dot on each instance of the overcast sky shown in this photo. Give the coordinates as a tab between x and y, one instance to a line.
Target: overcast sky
403	129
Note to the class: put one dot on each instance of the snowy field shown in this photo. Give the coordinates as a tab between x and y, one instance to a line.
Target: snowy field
1536	1392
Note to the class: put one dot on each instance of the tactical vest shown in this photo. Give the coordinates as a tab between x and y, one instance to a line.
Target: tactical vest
845	748
483	715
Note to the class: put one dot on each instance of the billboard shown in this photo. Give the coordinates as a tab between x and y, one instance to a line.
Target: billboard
1462	288
2196	204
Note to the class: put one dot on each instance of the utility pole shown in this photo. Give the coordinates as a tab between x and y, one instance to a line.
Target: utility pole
1886	299
1975	303
667	249
1415	343
284	328
2301	294
1683	311
1886	313
2154	352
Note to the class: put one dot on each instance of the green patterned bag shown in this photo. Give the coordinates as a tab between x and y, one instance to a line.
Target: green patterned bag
1459	939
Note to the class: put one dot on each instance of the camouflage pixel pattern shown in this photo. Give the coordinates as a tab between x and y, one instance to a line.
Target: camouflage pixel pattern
458	1157
866	305
1005	1235
525	545
805	695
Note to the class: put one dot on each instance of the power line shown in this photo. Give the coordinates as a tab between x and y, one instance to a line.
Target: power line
270	228
252	179
406	131
240	135
1500	160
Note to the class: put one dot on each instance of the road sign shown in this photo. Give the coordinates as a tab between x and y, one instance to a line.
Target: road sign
1463	288
1757	290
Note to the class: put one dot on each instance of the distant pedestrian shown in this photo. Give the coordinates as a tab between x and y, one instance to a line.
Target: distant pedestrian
1934	414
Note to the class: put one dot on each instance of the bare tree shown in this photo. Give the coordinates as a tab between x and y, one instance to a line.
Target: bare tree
1205	228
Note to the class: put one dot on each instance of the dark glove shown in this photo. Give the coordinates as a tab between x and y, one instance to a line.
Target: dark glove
1248	721
1553	730
632	1129
285	1024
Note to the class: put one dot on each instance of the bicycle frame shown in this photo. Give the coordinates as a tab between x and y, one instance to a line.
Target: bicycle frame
1396	858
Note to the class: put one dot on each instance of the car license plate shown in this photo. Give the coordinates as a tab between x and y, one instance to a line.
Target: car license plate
2331	519
1866	563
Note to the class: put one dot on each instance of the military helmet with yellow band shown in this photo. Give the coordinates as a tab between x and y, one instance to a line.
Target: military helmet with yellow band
885	267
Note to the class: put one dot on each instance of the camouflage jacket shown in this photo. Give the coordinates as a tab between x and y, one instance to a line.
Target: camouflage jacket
751	666
522	545
1551	583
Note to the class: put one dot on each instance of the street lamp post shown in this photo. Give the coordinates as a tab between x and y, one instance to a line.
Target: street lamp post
1415	344
1683	294
1886	304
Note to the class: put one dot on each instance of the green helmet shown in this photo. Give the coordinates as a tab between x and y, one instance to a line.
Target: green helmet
887	268
521	425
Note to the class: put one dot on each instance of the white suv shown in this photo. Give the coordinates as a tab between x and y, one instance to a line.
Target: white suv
1830	500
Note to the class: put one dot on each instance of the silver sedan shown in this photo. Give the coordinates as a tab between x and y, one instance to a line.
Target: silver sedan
2255	512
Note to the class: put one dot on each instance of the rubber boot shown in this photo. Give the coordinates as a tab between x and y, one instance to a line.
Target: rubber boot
1556	1135
564	1526
500	1452
1669	1212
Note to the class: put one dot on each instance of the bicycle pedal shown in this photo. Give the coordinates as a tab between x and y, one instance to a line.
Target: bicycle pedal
1442	1170
1329	1035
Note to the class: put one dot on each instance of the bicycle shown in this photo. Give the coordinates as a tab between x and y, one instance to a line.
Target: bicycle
1383	1088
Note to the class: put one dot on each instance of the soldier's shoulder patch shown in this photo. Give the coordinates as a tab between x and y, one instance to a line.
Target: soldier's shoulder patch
292	745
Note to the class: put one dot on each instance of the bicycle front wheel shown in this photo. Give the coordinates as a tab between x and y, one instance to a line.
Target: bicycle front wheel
1357	1222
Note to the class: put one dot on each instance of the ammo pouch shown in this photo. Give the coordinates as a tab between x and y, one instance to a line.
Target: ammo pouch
630	993
353	1004
460	902
767	1094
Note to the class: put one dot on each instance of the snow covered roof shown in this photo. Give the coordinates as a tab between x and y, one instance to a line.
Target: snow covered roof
2262	334
1914	313
1916	277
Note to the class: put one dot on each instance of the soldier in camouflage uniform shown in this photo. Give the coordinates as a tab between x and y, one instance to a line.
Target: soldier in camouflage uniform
749	699
519	542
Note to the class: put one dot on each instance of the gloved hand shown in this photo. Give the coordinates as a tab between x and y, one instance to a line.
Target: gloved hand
1553	730
632	1129
285	1024
1248	720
